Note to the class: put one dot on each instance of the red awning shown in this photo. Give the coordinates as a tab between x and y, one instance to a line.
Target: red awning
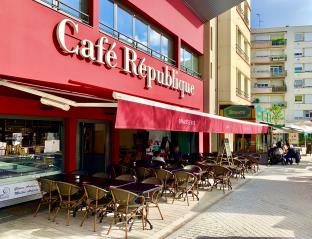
138	113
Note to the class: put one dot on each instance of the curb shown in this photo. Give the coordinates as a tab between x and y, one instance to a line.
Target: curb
191	215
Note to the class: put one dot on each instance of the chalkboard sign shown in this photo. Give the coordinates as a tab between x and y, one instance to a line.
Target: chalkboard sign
227	148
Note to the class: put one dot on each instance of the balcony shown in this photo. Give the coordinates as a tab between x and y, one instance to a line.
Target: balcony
279	89
276	43
269	59
242	53
269	74
242	94
243	14
269	104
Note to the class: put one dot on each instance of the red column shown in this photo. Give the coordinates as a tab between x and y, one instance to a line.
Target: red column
70	159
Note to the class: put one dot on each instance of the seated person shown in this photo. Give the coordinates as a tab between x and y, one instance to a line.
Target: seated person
158	160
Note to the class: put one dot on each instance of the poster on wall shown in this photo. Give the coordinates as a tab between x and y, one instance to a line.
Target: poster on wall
17	190
293	138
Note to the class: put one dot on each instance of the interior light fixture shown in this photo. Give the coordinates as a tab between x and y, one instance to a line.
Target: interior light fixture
54	103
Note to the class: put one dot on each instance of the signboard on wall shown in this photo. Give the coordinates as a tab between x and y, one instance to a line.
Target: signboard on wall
238	112
227	148
293	138
17	190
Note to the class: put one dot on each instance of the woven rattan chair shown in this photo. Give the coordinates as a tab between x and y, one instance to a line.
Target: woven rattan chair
222	175
127	206
168	180
70	198
239	168
184	184
152	198
97	200
126	178
143	173
49	194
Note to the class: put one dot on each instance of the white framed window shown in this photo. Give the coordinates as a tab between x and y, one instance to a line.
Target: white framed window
308	36
308	99
308	67
299	36
298	83
308	83
298	68
298	114
308	52
298	99
298	52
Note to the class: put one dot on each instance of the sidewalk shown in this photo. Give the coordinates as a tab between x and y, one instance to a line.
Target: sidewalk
175	216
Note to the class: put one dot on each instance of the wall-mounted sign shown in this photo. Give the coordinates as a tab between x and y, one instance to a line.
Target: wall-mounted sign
17	190
293	138
102	52
238	111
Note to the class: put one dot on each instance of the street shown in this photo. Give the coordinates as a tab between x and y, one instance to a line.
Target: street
277	203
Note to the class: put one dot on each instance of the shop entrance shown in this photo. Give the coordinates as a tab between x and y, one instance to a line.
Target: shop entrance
94	146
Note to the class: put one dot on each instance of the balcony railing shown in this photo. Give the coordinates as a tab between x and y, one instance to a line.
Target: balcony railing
269	43
242	53
269	59
67	9
190	71
242	94
282	73
135	44
269	74
278	58
279	88
279	103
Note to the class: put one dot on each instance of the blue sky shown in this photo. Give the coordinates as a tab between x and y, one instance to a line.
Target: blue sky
279	13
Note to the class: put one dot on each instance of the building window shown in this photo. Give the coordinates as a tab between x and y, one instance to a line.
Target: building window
308	36
106	15
75	8
124	25
189	62
298	98
29	147
299	36
298	68
276	70
298	83
298	52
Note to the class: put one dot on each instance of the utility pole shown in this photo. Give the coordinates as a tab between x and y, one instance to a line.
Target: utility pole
259	19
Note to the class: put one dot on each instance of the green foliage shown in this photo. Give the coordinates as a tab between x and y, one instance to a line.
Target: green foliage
277	115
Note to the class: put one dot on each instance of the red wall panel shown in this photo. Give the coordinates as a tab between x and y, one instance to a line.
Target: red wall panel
29	50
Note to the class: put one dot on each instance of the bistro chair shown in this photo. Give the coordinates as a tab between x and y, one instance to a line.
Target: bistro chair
168	180
142	173
97	200
239	168
184	184
127	207
49	194
126	178
221	175
197	171
70	198
153	197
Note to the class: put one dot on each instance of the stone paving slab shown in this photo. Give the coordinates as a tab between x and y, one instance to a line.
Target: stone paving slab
175	215
275	204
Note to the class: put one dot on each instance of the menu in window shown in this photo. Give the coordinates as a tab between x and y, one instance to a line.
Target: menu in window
51	146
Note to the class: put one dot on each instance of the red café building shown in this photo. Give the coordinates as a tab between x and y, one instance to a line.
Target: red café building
84	83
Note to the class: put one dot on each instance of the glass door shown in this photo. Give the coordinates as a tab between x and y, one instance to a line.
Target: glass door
94	146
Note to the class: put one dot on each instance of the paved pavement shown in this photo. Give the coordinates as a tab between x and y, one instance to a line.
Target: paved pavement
277	203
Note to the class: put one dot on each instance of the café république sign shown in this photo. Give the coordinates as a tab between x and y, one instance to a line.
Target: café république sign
106	55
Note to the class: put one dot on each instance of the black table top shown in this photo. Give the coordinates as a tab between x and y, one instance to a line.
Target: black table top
140	188
84	179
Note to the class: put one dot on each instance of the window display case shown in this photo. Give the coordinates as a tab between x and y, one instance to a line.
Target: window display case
28	149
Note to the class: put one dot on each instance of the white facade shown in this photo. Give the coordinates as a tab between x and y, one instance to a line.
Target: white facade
292	61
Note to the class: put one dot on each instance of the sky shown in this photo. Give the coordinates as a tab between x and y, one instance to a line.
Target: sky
279	13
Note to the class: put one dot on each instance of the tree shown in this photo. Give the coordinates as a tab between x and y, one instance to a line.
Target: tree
277	115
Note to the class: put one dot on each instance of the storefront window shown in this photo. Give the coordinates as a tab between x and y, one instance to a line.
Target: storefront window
124	25
132	29
141	33
155	43
30	147
189	62
106	16
76	8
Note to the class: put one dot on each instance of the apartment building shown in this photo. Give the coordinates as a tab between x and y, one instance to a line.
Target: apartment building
282	70
230	61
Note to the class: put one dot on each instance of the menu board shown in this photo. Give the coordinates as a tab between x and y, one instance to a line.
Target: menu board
17	190
227	148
